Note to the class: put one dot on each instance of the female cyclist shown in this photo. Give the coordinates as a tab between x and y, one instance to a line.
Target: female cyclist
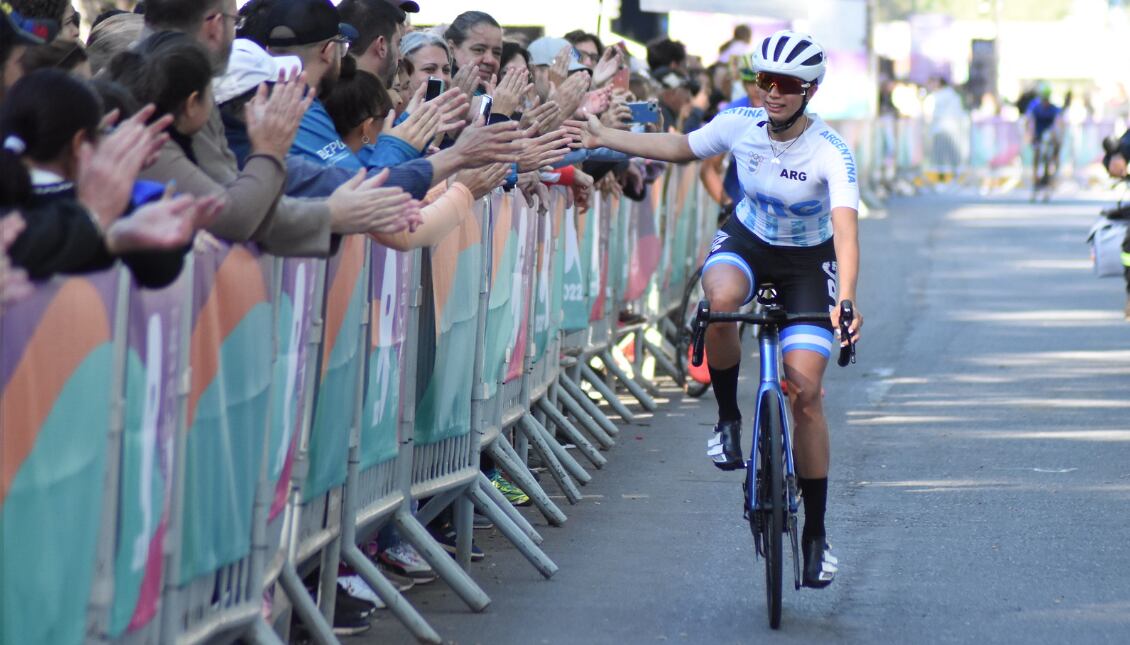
799	183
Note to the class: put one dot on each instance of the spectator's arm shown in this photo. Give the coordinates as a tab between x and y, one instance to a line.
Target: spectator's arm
440	218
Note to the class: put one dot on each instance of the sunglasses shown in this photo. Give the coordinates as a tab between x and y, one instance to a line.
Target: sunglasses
785	84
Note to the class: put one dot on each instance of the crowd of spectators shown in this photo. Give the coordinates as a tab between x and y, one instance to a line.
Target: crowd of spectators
292	123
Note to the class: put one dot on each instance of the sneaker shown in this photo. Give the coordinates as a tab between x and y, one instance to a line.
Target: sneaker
403	559
725	447
402	581
349	618
344	601
446	539
355	586
820	566
482	522
512	493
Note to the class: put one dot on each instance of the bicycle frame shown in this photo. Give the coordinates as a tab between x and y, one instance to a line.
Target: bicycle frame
769	342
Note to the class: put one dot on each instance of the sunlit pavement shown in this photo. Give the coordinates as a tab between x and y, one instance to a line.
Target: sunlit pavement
981	478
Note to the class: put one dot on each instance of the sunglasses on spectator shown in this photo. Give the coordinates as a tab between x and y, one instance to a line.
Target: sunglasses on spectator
785	84
75	19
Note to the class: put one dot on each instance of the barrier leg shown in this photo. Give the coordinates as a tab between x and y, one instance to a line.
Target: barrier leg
524	544
555	468
464	529
262	634
461	583
497	497
401	608
572	466
327	593
308	613
635	388
594	379
661	360
569	389
437	503
585	420
505	456
587	449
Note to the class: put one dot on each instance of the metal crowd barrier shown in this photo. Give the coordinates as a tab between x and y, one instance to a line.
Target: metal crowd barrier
175	462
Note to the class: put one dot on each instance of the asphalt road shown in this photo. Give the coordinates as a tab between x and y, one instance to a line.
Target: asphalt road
981	469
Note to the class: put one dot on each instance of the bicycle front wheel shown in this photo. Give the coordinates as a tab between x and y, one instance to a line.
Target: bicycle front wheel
772	504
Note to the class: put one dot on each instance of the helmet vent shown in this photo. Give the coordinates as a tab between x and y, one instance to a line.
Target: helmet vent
814	60
800	47
780	48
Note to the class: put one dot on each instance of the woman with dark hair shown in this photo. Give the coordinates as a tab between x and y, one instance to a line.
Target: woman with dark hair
69	56
48	125
173	72
475	40
515	57
358	105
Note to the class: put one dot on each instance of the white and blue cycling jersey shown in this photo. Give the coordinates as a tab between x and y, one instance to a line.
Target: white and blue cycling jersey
789	192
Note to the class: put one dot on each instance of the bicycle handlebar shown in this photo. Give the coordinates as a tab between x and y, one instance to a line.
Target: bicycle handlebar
772	316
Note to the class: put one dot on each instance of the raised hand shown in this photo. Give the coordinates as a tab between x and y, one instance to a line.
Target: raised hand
166	224
508	94
480	144
107	171
540	114
545	150
596	101
584	134
569	96
480	181
272	121
618	115
14	283
559	70
363	205
467	79
610	63
529	184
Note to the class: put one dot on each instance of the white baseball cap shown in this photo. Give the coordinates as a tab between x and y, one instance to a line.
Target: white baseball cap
249	66
545	49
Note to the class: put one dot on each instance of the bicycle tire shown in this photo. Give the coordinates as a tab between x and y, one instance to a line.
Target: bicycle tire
692	294
773	506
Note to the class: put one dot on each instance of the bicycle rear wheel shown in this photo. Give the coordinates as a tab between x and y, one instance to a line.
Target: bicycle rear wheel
772	504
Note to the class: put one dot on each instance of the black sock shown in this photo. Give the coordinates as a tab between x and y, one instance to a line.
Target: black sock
815	495
725	384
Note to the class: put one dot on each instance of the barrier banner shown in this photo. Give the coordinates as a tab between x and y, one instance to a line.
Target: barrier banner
444	408
390	287
155	363
574	284
296	309
646	247
605	206
342	362
231	353
522	285
546	316
56	356
500	321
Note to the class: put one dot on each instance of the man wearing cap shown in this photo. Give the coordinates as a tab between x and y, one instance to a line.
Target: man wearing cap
544	52
17	33
379	26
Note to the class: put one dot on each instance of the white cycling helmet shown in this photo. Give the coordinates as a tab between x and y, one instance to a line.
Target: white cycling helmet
792	54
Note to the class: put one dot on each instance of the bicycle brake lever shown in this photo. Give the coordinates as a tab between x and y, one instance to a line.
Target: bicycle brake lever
847	316
701	320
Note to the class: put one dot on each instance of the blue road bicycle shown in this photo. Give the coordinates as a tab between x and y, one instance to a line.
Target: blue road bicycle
770	485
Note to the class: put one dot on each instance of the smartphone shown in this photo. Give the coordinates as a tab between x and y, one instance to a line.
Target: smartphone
486	104
435	88
644	111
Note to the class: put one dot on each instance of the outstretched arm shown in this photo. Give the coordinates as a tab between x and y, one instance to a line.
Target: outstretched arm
662	146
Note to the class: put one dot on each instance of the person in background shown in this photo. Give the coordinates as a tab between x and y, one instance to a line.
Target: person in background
69	56
475	41
1117	152
17	34
427	56
739	45
667	53
947	124
588	46
111	36
58	12
380	27
726	190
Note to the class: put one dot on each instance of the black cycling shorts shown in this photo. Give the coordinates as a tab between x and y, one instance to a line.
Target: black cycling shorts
805	278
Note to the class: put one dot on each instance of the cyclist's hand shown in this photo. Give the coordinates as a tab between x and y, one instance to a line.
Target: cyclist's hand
856	323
